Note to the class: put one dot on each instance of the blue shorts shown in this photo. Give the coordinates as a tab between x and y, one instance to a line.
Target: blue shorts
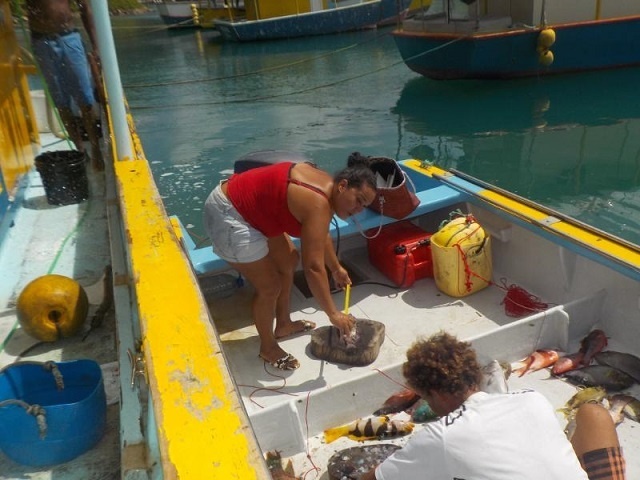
64	66
232	238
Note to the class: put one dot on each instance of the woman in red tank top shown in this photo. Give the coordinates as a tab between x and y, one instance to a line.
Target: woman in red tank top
250	219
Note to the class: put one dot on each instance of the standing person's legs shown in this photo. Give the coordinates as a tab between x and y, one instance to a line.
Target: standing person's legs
286	257
247	251
263	275
596	443
79	84
50	57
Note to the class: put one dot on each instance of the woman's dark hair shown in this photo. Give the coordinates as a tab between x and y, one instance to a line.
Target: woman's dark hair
442	363
357	172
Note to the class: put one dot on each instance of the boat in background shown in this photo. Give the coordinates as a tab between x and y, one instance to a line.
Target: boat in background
494	39
418	6
176	13
201	13
276	19
208	14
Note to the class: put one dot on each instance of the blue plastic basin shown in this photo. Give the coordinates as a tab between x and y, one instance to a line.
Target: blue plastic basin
75	416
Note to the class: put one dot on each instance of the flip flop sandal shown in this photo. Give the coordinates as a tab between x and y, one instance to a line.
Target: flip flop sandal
308	325
288	362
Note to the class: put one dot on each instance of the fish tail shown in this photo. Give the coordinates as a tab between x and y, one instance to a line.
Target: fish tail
332	434
527	364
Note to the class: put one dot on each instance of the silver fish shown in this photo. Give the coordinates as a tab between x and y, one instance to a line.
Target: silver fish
625	362
609	378
630	406
494	378
616	405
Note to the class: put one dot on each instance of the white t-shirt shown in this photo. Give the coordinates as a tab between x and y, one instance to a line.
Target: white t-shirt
500	436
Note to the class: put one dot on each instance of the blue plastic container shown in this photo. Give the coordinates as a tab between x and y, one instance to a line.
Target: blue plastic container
74	415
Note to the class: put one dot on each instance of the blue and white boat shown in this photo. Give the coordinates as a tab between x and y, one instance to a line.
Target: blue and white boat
275	19
494	39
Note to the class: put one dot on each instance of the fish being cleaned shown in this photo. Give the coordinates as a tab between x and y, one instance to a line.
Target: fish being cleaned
629	364
584	395
536	361
370	428
593	343
567	362
609	378
398	402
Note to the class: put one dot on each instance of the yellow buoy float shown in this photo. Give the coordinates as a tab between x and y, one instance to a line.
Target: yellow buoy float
546	39
52	307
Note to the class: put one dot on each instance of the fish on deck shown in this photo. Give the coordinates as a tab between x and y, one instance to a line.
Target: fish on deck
609	378
370	428
494	377
567	362
536	361
398	402
592	344
584	395
625	362
277	471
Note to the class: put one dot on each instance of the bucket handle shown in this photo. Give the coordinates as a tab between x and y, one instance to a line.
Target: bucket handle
36	410
48	365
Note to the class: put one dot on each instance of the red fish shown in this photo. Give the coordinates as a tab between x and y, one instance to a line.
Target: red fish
567	362
398	402
537	360
592	344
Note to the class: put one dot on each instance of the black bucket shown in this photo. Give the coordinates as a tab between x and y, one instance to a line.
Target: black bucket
64	176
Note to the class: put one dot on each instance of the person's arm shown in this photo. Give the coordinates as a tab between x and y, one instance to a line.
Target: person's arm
313	242
340	275
86	15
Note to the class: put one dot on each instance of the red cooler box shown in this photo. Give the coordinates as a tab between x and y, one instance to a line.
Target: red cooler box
402	252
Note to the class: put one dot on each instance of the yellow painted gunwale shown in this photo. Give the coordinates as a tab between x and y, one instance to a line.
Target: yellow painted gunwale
203	430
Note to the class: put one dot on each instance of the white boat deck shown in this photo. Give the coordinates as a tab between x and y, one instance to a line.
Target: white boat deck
70	240
290	410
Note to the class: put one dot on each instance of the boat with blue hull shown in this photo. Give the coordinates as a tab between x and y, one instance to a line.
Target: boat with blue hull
493	39
266	21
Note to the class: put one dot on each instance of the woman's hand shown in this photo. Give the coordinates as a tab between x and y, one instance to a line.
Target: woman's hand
341	277
343	322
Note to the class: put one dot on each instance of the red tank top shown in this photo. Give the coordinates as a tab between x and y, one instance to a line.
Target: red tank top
260	196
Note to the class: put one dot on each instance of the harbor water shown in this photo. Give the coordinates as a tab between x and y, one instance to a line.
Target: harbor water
570	142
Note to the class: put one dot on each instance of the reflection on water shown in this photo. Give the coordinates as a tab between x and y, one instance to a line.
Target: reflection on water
569	142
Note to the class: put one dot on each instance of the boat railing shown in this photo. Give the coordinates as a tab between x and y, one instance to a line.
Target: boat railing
194	425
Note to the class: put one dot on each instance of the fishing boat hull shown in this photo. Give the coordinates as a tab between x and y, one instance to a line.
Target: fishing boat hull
327	20
176	14
497	48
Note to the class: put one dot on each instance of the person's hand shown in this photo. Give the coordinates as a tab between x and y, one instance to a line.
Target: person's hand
343	322
341	277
